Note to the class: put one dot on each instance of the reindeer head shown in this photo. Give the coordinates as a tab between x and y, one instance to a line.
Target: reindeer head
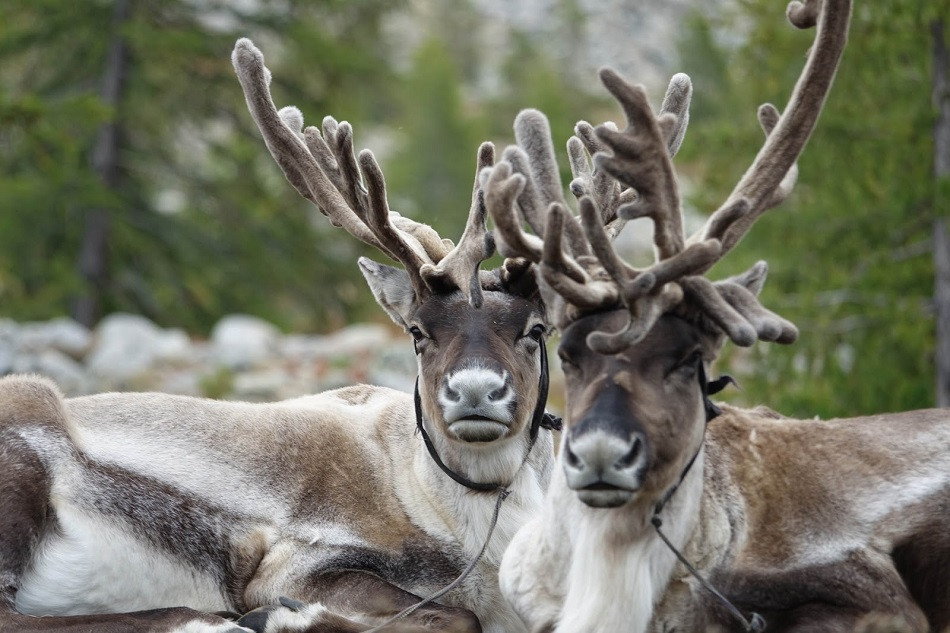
635	344
478	334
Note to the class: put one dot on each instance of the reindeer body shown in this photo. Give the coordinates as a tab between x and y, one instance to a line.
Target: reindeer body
810	523
157	500
819	527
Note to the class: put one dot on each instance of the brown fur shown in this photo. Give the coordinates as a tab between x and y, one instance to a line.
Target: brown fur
243	495
818	525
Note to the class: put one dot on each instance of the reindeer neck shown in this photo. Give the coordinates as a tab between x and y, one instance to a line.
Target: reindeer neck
617	589
467	513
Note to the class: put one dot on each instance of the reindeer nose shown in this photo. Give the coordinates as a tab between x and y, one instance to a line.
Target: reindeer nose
471	388
601	458
477	393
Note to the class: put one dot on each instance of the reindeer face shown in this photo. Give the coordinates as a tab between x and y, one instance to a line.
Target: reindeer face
479	368
630	414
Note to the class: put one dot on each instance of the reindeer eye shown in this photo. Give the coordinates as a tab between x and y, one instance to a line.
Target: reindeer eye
688	365
417	334
536	332
566	363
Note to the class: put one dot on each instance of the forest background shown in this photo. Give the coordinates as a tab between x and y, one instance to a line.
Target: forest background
133	179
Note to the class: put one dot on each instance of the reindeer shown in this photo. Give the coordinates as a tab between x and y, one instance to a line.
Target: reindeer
332	512
665	497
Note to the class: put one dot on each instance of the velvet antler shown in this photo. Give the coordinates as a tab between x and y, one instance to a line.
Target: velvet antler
351	190
632	176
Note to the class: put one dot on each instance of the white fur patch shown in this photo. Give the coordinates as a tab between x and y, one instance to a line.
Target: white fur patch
93	566
446	510
284	620
476	391
595	570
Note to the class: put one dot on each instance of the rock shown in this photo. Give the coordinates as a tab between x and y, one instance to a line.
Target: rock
358	338
8	329
240	341
8	332
246	358
185	382
260	386
303	347
350	341
394	366
174	346
66	372
126	345
63	334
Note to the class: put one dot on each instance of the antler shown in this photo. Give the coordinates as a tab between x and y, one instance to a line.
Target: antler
772	175
641	160
644	185
525	188
583	269
351	190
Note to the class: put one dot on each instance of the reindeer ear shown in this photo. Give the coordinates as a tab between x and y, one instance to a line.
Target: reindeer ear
392	289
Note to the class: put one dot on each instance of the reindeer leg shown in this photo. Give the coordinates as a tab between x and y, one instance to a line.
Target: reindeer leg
350	602
31	408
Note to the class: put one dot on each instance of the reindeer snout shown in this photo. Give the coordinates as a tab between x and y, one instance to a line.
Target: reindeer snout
600	459
472	388
477	392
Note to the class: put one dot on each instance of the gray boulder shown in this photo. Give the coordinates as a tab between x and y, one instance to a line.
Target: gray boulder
240	341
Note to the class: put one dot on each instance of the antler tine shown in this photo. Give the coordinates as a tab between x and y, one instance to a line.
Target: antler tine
335	148
564	275
768	325
644	315
609	194
288	149
459	268
676	103
732	304
772	174
647	294
533	157
641	161
502	189
327	174
334	152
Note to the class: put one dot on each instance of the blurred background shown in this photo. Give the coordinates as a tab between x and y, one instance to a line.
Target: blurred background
137	198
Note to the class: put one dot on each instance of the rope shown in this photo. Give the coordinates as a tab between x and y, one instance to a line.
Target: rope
502	495
755	624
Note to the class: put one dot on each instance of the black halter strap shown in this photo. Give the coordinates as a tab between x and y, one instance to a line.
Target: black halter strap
539	419
756	623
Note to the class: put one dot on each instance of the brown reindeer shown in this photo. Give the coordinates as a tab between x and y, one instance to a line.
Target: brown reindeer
802	525
148	512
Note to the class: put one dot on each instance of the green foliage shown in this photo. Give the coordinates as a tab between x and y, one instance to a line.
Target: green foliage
236	237
430	176
849	252
201	222
218	384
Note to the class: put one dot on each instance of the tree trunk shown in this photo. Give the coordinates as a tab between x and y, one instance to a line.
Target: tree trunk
93	255
941	96
942	304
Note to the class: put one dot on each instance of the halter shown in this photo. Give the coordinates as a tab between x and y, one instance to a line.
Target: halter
539	419
756	623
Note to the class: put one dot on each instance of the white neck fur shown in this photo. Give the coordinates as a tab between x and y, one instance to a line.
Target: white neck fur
619	566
